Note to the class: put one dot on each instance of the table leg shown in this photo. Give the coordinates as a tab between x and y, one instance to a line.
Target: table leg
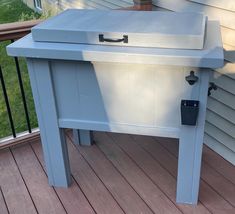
190	151
189	166
52	137
82	137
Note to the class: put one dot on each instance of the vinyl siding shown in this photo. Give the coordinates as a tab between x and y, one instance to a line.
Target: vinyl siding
220	123
95	4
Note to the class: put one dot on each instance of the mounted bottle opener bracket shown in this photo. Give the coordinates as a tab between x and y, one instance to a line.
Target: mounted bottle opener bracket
192	78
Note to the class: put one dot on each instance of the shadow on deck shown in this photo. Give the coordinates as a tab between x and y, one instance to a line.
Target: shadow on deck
119	174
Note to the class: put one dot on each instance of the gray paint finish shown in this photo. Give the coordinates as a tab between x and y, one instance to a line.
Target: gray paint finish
119	89
210	57
55	152
166	30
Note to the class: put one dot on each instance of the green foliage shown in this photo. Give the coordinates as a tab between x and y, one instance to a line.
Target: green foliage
28	16
12	11
15	10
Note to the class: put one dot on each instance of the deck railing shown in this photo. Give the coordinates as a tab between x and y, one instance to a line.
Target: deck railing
12	32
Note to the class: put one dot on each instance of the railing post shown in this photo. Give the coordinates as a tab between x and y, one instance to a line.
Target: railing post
13	31
7	103
22	93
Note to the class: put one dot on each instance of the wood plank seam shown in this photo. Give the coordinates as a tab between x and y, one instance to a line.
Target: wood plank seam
172	151
155	159
162	144
43	195
101	186
205	186
116	170
215	168
96	174
172	174
136	188
163	168
125	179
23	180
110	136
1	192
43	169
84	193
58	198
59	195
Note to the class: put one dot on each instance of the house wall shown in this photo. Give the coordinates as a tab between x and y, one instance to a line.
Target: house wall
49	7
220	123
29	3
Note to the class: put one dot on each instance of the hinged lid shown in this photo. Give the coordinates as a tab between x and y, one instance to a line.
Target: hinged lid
124	28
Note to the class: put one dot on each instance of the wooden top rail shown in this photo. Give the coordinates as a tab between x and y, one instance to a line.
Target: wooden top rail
16	30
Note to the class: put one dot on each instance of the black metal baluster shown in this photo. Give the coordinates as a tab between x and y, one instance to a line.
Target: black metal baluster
22	93
7	104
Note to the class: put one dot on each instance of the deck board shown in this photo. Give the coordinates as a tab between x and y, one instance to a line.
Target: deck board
72	198
161	177
144	186
216	180
3	206
44	196
207	195
119	174
94	189
14	190
219	164
114	181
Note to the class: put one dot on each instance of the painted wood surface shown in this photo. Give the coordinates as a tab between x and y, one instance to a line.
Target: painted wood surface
164	114
43	195
142	185
166	158
82	137
214	9
147	110
210	57
72	199
13	187
156	172
54	144
3	206
225	188
190	151
155	157
170	30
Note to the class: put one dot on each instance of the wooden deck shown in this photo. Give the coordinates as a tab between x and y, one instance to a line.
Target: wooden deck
119	174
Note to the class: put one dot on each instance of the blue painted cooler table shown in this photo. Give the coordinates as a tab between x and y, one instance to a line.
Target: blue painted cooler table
130	72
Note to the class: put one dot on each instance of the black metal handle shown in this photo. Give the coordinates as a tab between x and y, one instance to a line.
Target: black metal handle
102	39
